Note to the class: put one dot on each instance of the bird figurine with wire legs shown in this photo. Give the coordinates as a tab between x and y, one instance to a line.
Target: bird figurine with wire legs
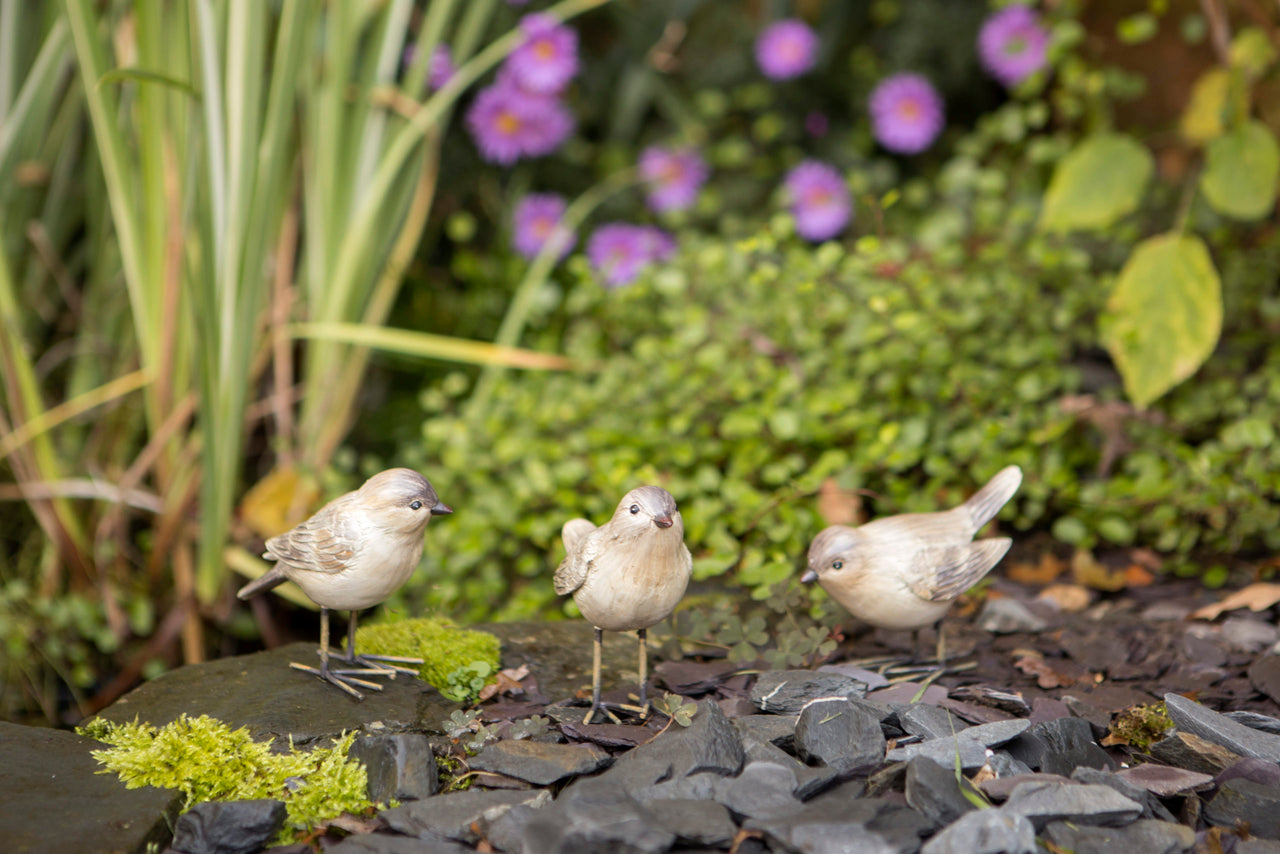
904	571
629	573
354	553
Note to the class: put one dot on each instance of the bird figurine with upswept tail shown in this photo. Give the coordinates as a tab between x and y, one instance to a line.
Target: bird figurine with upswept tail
627	574
904	571
352	554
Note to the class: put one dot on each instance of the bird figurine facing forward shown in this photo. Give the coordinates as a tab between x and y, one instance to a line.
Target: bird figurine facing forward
629	573
903	572
354	553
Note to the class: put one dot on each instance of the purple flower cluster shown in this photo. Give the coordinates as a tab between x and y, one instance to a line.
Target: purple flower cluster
786	49
537	221
620	251
673	175
906	113
521	114
1013	45
819	199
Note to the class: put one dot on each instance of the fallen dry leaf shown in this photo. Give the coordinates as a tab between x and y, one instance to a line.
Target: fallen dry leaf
1069	598
838	506
1255	597
1046	571
1046	676
1086	570
508	682
1136	575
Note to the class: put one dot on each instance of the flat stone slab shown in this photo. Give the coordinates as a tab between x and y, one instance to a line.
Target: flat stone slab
1194	718
260	691
54	801
539	763
558	655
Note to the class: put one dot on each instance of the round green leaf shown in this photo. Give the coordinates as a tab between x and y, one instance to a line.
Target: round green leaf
1239	179
1164	316
1101	180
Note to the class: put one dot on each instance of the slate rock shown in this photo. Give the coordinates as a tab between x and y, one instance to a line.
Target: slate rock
452	814
1152	807
861	825
1006	615
936	793
1264	673
1099	721
694	787
929	721
1249	768
985	832
383	843
506	831
600	818
228	827
836	733
1044	802
1004	765
400	766
1164	781
1242	800
785	692
1248	634
1190	751
696	822
1028	750
260	692
1069	745
1190	716
53	800
763	790
970	745
710	743
538	763
775	729
870	678
1257	846
1148	836
1000	788
1254	720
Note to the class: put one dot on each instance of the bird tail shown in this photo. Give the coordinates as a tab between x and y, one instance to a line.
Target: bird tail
273	577
986	502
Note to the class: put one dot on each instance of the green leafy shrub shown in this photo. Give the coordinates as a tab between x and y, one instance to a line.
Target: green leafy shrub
453	658
206	760
745	374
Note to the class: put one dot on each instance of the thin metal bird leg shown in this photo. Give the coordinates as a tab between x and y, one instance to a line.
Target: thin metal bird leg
644	672
596	706
942	647
342	678
386	665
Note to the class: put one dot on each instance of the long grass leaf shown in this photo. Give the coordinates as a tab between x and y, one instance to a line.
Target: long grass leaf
410	342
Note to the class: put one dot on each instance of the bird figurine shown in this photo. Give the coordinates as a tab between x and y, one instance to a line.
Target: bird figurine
352	554
904	571
629	573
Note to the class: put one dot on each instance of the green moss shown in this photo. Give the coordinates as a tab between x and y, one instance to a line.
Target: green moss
444	648
1139	726
206	760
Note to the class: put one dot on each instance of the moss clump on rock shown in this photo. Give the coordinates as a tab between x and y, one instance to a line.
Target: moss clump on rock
1140	726
206	760
444	648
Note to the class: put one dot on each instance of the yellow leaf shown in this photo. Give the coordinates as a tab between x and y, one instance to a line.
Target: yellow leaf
279	501
1202	119
1255	597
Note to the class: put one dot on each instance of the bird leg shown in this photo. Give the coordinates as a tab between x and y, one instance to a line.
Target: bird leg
597	706
644	672
344	679
388	664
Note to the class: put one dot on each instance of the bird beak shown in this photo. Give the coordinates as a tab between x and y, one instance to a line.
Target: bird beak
809	576
441	509
662	521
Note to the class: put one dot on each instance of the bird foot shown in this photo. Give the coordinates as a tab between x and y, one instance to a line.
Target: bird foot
599	707
345	679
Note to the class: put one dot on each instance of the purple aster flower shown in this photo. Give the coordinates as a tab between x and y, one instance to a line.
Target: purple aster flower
1013	45
537	221
906	113
547	59
786	49
674	176
508	123
819	200
442	67
620	251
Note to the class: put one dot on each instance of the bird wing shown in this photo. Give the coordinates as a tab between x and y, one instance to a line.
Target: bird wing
582	548
951	570
326	542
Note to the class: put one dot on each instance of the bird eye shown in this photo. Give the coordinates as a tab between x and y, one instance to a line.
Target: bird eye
635	508
415	504
838	565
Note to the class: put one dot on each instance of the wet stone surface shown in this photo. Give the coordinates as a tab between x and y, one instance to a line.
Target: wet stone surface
769	761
